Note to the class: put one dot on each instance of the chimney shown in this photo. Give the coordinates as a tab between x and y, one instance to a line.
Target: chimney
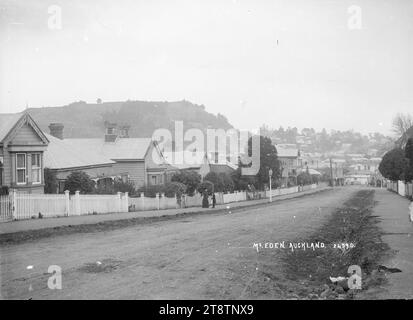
56	130
111	132
124	131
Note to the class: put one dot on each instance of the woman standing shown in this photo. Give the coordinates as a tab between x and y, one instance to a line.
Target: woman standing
205	201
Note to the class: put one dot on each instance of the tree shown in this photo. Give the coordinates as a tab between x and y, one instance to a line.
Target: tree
206	185
241	182
304	178
50	181
222	181
408	151
268	160
173	189
401	123
189	178
393	165
79	181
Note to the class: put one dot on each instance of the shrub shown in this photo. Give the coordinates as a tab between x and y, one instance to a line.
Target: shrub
50	181
121	186
79	181
151	191
205	185
173	189
189	178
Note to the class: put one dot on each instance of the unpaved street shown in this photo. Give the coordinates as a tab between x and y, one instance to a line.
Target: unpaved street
195	257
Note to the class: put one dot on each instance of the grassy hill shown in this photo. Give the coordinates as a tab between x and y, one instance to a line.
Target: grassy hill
86	120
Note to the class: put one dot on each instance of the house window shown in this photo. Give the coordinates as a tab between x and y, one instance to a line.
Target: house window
1	170
36	168
110	131
154	180
21	168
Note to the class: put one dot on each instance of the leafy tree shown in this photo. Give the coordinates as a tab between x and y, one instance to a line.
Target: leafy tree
393	165
189	178
409	156
222	181
206	185
173	189
50	181
151	191
79	181
122	186
304	178
241	182
268	160
228	182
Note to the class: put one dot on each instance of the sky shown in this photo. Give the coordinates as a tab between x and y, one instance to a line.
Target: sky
299	63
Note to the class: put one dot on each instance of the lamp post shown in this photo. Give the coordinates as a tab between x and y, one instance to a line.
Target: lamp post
270	175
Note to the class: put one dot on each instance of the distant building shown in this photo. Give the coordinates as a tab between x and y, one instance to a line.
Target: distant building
115	155
22	147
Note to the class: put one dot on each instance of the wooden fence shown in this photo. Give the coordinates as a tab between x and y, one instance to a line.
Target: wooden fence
20	206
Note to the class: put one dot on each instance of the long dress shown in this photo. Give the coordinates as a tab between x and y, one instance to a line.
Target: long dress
205	201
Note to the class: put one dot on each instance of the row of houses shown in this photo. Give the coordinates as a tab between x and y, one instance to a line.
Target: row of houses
25	151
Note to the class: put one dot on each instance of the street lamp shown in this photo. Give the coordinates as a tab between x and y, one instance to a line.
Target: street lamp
270	175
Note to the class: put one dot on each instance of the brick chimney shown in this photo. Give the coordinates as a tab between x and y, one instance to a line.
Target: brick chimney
56	130
124	131
111	131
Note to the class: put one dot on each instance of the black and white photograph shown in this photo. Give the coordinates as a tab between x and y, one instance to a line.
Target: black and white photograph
222	152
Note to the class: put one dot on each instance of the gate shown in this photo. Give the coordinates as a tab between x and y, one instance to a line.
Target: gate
6	208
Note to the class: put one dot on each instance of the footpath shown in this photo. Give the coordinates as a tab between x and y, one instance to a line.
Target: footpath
36	224
393	211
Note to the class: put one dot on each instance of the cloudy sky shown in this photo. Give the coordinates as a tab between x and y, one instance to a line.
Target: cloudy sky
304	63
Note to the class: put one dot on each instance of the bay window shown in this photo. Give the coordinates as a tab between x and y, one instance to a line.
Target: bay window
21	168
36	168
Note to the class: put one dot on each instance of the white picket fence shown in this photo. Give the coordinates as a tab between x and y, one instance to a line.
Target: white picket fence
400	187
6	208
20	206
147	203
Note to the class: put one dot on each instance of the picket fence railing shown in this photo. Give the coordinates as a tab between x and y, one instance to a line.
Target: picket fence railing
19	206
402	188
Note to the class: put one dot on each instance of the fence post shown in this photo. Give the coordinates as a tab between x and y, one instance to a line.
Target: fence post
162	200
157	198
119	201
77	203
126	202
14	204
67	203
143	201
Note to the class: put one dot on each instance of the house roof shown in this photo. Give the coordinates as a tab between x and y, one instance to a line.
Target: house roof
73	153
121	149
287	152
61	155
7	122
186	160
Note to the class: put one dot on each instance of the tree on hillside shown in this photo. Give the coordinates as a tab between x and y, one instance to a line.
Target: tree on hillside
394	165
79	181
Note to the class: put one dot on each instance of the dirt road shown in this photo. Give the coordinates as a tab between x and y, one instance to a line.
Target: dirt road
199	257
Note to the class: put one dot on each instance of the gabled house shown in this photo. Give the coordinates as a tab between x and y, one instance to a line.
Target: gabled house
115	155
22	146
